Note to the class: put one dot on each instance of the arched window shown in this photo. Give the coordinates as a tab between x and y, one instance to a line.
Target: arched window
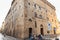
41	25
30	20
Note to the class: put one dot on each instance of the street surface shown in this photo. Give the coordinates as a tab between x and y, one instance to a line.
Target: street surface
6	37
12	38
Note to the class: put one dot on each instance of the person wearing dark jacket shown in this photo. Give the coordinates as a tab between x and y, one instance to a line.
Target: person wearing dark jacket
40	37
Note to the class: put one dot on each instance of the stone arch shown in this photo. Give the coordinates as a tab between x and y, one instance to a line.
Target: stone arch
30	32
41	29
41	25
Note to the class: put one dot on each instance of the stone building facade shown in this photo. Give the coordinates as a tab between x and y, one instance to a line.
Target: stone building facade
27	17
58	28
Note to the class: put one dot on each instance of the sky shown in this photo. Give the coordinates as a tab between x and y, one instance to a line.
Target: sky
6	4
56	3
4	8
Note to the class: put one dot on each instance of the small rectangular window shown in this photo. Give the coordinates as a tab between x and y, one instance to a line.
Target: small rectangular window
35	24
46	11
25	15
35	14
40	16
29	3
47	18
52	20
35	5
39	7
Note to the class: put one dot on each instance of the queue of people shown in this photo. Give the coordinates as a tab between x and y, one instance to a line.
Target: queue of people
36	37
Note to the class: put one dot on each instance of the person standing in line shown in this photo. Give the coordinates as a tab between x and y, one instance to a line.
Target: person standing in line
40	37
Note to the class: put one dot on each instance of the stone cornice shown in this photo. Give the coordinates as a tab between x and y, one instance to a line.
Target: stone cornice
12	2
49	4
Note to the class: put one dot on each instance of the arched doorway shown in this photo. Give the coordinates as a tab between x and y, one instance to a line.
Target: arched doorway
41	29
30	32
54	30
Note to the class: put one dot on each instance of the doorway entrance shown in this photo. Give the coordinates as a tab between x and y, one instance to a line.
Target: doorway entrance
42	31
30	32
